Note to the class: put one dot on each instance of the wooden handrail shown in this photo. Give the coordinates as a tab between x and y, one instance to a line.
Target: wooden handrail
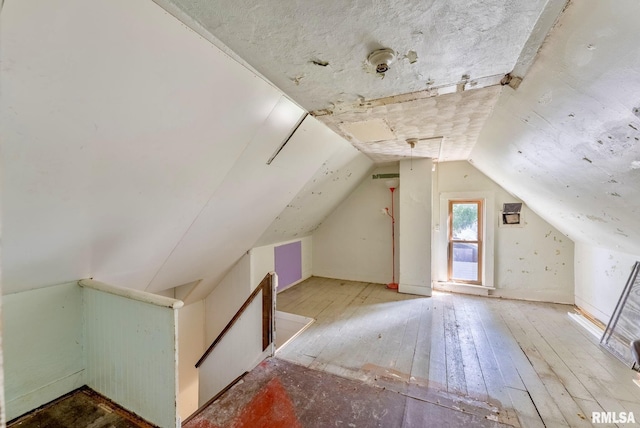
266	286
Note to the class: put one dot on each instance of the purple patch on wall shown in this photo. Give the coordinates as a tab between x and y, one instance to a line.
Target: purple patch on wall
288	263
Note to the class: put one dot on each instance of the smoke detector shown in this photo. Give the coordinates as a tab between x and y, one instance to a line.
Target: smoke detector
381	59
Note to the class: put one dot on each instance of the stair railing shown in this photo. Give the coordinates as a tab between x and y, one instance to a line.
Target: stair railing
267	287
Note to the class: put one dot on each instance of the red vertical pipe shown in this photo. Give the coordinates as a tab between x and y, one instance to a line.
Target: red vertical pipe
393	285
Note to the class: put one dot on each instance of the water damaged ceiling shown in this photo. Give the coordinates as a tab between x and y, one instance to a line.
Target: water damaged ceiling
316	52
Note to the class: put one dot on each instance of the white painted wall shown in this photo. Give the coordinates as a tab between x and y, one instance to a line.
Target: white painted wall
415	227
190	349
241	348
239	351
132	354
225	300
171	137
601	275
263	260
533	262
354	242
42	345
566	141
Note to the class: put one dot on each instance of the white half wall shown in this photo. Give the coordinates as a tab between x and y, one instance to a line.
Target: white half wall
239	351
354	241
190	349
225	300
131	351
415	227
241	347
43	346
601	275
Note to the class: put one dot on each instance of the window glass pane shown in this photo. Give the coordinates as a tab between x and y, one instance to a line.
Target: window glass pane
465	222
465	261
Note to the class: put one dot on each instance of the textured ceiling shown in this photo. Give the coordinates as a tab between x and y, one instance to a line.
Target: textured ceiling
316	52
446	127
568	140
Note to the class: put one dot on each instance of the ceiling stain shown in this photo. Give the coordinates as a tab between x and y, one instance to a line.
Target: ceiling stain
319	62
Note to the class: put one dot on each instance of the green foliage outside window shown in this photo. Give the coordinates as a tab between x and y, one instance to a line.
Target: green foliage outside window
465	216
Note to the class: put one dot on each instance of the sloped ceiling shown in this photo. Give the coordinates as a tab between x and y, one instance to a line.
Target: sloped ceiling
331	184
443	127
137	153
568	140
316	52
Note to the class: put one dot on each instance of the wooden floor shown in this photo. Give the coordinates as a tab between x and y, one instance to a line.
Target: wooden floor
528	360
280	394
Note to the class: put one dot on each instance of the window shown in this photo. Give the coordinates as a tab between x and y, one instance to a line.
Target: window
465	241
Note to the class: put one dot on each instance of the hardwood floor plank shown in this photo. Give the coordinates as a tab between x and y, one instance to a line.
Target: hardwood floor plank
535	376
527	412
496	390
527	359
422	351
473	373
456	381
502	344
590	407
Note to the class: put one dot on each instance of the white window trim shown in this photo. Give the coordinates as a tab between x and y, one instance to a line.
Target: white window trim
488	225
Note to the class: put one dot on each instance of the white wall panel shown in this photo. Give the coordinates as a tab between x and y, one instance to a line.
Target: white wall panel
225	300
251	197
236	353
533	262
241	347
354	242
131	354
334	181
115	136
42	345
414	251
190	349
601	275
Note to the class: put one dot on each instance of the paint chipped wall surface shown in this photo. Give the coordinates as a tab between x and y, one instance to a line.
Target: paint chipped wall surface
568	141
531	262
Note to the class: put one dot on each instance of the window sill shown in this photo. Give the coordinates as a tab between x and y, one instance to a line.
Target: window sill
460	287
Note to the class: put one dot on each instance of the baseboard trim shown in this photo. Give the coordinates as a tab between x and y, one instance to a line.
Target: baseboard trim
414	289
458	287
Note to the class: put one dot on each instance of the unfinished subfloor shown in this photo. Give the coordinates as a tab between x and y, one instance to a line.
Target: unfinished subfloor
82	408
285	395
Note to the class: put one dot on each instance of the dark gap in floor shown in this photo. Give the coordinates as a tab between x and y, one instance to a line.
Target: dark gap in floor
80	408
